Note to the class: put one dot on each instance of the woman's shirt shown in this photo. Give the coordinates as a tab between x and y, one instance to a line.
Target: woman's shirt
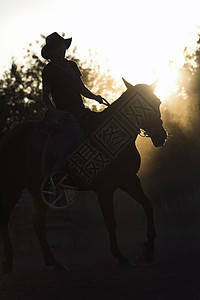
63	79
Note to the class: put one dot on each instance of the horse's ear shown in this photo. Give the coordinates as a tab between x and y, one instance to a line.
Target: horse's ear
127	84
154	85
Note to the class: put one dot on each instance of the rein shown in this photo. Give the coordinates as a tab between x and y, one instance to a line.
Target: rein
143	133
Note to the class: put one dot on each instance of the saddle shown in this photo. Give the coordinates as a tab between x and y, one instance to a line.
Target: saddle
47	136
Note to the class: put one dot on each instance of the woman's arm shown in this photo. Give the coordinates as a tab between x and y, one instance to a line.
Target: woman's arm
87	93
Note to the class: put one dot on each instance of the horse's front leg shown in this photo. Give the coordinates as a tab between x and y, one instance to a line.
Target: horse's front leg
133	187
106	205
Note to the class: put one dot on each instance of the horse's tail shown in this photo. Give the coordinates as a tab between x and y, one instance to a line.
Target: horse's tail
1	196
14	139
12	150
11	143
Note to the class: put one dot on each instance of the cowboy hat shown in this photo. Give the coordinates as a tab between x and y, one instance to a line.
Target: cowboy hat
51	41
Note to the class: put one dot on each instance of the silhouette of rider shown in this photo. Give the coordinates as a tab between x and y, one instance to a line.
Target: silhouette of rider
62	90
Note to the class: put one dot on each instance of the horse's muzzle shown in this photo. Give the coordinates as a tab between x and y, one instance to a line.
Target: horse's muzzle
159	140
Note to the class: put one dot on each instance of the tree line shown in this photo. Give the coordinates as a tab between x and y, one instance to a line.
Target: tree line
21	87
174	168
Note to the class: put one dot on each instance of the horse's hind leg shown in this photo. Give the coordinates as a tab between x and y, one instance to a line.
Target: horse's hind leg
7	203
133	187
39	223
7	265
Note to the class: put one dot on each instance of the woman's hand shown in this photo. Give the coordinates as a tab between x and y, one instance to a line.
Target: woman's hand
99	99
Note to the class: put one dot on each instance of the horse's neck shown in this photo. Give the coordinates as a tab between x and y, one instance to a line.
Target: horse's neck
116	114
115	106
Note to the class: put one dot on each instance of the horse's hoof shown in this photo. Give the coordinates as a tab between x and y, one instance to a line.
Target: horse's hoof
58	267
126	264
7	267
148	252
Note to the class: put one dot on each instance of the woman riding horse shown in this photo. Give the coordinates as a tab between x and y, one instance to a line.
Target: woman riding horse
62	82
20	167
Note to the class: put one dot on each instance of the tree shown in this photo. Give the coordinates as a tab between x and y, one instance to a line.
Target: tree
21	87
175	167
189	75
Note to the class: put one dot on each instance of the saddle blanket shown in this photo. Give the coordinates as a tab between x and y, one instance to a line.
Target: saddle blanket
48	139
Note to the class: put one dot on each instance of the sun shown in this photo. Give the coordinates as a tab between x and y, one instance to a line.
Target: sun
167	83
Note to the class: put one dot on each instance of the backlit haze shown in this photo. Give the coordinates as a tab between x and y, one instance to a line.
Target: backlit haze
141	41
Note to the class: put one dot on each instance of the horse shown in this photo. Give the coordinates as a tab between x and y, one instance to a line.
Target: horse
138	108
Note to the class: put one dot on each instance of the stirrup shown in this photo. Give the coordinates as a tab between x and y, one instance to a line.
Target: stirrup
59	190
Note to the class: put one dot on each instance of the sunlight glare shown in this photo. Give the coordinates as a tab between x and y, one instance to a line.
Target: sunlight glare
167	83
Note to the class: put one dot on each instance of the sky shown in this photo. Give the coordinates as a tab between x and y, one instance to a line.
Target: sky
135	39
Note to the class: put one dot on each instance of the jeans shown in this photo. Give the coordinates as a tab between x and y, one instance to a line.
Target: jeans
72	131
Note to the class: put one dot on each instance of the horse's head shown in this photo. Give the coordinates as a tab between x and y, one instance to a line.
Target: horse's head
146	112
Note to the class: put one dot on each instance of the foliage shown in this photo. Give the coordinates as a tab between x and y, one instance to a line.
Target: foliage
175	168
21	86
20	92
189	75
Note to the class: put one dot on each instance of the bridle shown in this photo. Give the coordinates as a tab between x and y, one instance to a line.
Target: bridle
144	133
141	132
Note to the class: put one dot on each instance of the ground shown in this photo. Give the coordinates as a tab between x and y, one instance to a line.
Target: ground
94	274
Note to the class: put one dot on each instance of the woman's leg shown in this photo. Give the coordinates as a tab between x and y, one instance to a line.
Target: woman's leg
74	136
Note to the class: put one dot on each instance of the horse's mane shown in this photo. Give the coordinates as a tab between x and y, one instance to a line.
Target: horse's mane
113	107
141	87
14	138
